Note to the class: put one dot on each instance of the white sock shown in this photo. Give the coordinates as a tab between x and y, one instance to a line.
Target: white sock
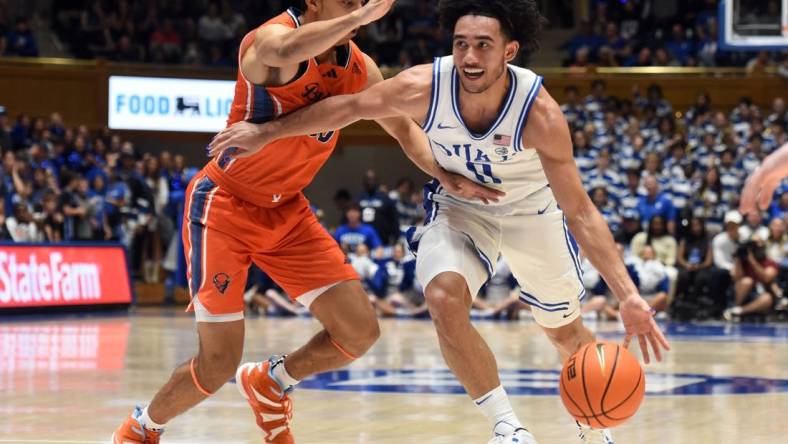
148	423
282	377
496	407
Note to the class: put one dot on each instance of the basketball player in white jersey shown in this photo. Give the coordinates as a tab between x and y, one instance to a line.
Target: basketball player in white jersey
495	124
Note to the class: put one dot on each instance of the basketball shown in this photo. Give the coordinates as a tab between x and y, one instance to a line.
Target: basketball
602	385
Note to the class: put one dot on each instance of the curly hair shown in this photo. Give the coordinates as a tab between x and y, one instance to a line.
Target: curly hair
520	19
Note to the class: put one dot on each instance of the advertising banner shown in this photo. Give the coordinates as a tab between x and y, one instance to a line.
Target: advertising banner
169	104
60	275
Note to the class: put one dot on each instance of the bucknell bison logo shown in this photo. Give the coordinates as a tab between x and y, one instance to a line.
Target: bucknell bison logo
312	92
221	281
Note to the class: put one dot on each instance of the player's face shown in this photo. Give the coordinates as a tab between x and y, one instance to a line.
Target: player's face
481	52
331	9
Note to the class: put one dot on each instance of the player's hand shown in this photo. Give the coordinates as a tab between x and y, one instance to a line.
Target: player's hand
760	188
373	10
461	186
639	321
243	137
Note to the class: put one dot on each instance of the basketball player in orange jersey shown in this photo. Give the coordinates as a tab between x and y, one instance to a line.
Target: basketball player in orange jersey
497	125
240	211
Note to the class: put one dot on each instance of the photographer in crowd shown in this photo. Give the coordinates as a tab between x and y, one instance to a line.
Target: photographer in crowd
755	287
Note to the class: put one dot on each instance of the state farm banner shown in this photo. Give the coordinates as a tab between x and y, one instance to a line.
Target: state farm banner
57	275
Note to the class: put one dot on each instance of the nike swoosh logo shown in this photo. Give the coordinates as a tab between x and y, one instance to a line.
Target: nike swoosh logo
442	126
483	400
545	208
570	314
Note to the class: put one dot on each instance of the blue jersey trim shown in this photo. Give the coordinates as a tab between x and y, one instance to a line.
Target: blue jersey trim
571	245
526	110
455	104
434	94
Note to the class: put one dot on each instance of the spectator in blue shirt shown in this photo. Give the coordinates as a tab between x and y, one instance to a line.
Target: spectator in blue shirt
587	38
378	210
656	203
572	109
353	233
779	207
681	48
21	42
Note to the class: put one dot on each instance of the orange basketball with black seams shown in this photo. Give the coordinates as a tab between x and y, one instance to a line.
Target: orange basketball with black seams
602	385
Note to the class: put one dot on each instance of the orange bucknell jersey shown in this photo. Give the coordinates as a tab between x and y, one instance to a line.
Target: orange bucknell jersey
283	168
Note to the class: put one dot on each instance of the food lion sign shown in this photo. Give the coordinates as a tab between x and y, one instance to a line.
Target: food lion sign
58	275
169	104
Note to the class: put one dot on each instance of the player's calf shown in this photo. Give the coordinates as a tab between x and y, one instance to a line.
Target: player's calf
570	337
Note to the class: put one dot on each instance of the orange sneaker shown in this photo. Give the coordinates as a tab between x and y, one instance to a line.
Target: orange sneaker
134	432
272	408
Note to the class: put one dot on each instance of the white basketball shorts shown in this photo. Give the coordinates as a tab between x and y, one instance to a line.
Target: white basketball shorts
531	235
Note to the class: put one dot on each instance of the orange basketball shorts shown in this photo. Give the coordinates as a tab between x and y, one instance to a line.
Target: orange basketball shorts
223	236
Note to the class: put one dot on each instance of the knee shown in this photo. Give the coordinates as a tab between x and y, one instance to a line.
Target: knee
359	336
369	334
746	282
215	368
445	303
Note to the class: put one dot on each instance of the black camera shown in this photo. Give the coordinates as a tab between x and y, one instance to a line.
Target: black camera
758	251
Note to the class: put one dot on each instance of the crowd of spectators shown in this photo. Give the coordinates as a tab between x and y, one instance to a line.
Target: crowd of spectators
667	182
651	33
206	32
67	184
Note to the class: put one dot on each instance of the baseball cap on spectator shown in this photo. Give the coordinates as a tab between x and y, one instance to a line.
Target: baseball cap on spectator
733	217
117	192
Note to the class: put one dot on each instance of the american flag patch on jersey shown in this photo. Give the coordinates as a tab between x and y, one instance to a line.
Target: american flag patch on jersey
500	139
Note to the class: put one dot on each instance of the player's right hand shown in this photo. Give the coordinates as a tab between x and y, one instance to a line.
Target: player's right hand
461	186
246	138
374	10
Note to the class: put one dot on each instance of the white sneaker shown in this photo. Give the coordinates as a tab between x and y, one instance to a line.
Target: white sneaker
519	436
732	314
594	436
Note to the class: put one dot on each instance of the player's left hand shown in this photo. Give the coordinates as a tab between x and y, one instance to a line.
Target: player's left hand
639	321
247	138
460	186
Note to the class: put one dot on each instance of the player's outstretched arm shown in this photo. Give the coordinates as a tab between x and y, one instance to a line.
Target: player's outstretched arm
760	186
279	46
548	129
391	98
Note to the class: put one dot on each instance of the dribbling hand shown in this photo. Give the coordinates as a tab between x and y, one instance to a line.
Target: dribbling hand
639	321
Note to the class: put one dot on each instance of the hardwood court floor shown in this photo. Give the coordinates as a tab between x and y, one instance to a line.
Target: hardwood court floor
72	380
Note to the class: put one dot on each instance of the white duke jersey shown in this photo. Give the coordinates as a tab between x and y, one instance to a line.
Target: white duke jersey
497	159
